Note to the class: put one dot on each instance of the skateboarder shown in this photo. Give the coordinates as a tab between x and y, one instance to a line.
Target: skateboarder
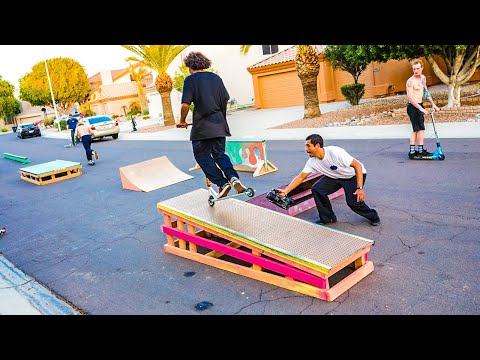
207	92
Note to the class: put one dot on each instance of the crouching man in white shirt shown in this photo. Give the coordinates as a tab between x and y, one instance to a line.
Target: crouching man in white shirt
339	170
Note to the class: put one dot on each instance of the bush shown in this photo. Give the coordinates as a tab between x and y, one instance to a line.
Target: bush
63	125
146	112
145	117
114	116
4	129
353	92
89	112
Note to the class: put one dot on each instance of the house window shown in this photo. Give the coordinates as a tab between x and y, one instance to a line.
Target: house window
269	49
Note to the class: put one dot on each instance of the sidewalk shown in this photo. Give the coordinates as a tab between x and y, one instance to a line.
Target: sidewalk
253	124
20	294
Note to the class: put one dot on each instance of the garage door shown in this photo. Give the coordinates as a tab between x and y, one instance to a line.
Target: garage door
279	90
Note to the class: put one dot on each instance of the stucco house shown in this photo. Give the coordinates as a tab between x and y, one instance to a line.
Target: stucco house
113	91
276	83
229	63
28	114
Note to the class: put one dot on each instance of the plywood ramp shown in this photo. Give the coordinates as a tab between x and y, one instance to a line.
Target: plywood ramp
151	175
265	245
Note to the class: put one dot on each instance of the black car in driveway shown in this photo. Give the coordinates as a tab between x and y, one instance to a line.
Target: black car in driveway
28	130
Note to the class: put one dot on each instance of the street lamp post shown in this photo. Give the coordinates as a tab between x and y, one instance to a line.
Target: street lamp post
53	98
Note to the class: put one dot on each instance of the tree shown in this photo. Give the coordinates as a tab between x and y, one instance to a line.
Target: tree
159	58
9	106
138	72
69	80
460	61
307	64
353	59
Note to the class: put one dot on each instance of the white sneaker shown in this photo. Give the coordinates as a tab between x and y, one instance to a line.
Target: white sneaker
237	185
224	190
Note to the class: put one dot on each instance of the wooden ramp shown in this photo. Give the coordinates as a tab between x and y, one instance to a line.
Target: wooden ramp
50	172
265	245
151	175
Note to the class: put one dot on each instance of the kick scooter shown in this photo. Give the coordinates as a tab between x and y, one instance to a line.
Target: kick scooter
438	154
213	195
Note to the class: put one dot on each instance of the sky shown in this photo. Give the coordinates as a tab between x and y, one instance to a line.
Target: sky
18	60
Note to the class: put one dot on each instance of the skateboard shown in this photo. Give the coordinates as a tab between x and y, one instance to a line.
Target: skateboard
213	195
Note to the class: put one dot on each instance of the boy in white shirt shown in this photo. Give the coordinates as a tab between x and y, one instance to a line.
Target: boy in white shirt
340	170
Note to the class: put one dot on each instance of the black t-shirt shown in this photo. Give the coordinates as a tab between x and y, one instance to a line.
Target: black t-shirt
209	96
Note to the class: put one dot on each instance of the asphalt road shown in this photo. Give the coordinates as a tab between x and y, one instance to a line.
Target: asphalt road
99	246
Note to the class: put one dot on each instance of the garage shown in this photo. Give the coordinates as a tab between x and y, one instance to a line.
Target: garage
281	89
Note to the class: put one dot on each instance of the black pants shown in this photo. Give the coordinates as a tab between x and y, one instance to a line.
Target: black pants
72	136
87	143
326	186
215	163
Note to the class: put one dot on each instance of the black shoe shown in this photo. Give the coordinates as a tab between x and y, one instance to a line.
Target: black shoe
320	222
425	153
375	222
412	155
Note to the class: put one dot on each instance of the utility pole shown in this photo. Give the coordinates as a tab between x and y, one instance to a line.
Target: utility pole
53	98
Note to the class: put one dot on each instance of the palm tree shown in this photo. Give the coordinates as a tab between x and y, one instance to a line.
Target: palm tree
159	58
138	71
308	67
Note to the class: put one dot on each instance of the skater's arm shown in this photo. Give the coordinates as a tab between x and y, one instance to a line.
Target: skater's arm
359	175
184	112
295	182
428	96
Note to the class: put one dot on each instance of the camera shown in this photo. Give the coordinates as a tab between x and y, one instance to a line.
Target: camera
284	202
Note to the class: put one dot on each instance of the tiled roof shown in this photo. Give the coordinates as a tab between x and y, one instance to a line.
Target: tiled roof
113	91
283	56
115	75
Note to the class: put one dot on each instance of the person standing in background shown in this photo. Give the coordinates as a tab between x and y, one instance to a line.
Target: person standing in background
72	125
416	92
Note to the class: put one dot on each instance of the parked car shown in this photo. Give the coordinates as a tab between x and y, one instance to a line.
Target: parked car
28	130
102	125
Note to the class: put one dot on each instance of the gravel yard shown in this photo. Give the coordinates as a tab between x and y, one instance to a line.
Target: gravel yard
382	111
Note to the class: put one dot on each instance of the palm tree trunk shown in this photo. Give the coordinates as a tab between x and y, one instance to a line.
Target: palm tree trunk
310	97
168	118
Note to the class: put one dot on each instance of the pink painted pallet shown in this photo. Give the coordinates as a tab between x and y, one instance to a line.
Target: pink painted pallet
290	253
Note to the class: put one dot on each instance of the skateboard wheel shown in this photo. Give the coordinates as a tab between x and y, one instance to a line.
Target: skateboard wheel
211	200
250	192
441	157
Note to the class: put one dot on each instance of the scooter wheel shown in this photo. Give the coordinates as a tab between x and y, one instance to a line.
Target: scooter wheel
211	200
250	192
441	157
